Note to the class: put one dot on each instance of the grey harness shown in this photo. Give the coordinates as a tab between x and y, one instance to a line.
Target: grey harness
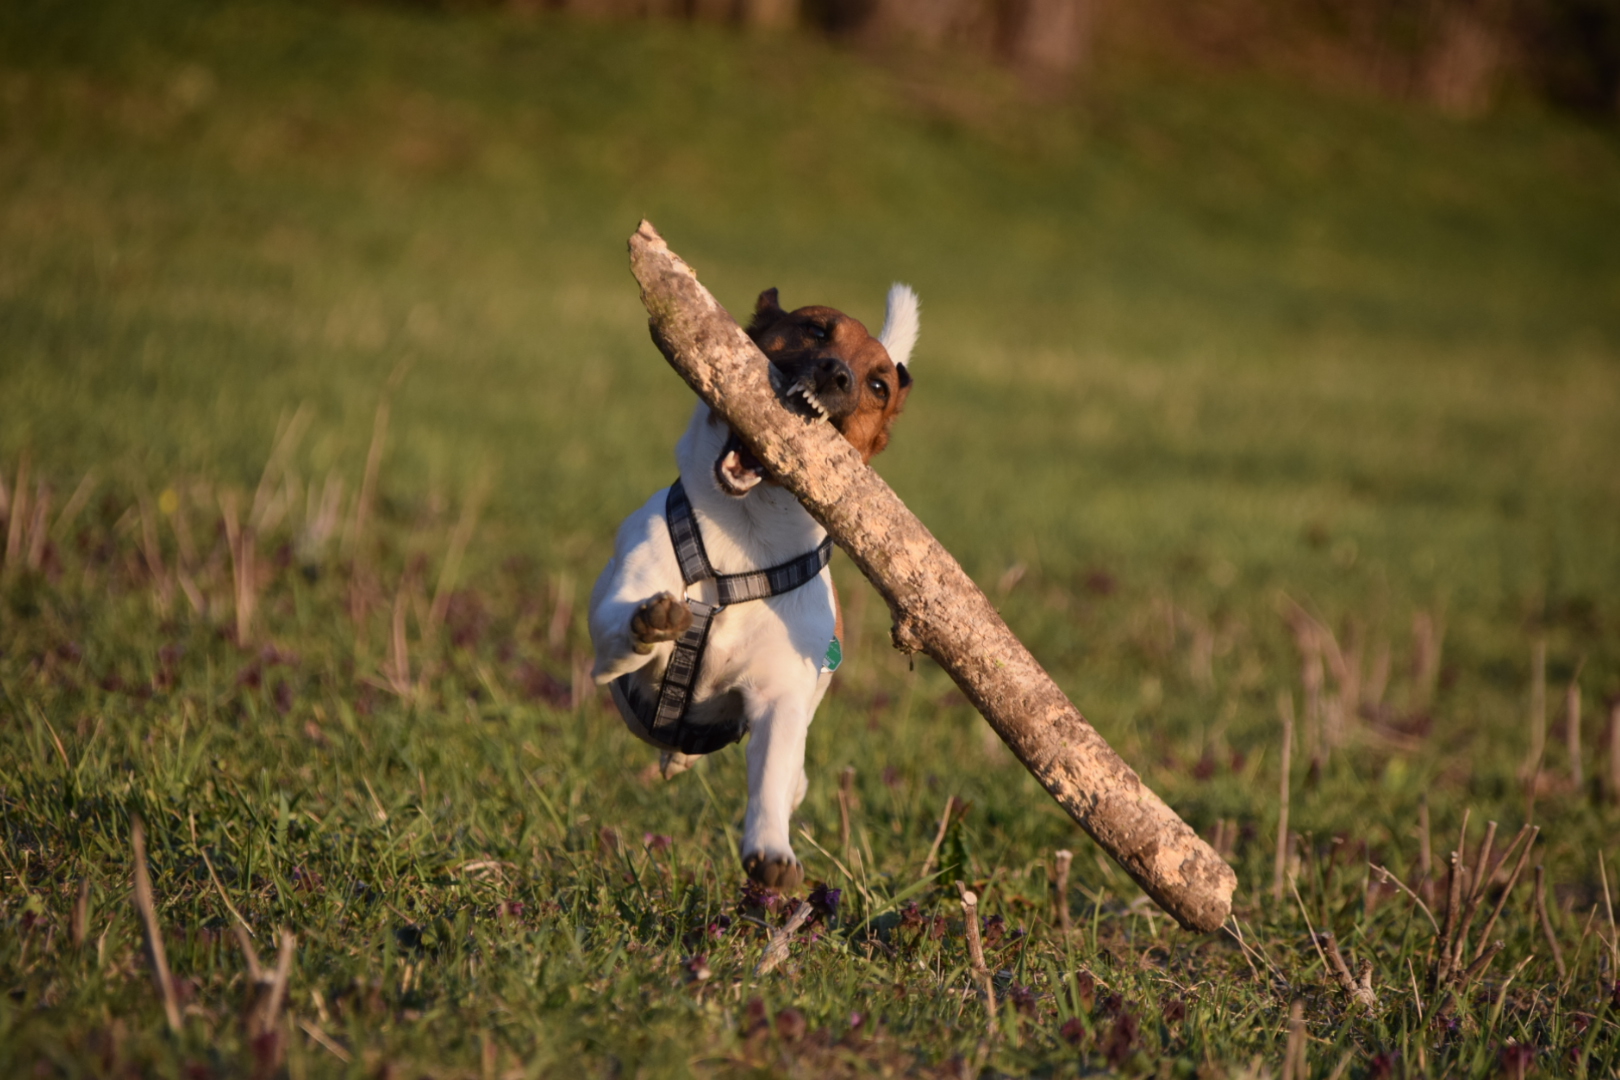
665	719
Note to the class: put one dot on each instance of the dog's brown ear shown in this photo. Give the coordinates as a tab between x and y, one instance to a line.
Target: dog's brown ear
766	311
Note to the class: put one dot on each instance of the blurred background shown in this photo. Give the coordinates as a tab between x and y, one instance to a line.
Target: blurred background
1223	302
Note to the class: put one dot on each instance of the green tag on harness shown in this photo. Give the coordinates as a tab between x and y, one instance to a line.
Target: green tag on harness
835	656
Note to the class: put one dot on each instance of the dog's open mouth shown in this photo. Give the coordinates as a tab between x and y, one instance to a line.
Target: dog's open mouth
737	470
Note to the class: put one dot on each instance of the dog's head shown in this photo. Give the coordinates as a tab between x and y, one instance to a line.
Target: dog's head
825	364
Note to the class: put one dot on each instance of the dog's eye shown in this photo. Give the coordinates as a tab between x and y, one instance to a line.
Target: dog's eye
879	388
816	331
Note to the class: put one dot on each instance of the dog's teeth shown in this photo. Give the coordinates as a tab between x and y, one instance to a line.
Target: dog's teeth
802	388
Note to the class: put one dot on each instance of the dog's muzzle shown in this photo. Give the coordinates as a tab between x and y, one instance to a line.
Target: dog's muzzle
823	389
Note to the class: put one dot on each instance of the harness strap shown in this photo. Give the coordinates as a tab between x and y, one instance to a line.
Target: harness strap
734	588
665	718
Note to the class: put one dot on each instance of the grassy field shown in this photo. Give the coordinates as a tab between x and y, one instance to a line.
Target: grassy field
323	385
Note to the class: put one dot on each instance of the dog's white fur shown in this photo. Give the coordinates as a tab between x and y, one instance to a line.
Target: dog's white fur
763	657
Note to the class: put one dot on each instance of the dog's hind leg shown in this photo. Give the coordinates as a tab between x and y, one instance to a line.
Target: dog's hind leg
776	784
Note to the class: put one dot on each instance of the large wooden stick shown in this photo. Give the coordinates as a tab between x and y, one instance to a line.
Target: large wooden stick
937	608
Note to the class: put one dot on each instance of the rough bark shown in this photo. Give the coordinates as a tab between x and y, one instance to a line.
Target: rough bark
937	608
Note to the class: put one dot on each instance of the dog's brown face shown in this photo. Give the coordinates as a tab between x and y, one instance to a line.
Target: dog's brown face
830	363
826	365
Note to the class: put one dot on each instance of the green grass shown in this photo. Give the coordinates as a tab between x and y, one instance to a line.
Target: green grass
1191	347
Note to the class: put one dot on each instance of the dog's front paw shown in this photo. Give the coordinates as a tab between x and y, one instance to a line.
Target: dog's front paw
780	872
663	618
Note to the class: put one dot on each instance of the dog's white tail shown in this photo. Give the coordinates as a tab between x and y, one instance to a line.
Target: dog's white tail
899	334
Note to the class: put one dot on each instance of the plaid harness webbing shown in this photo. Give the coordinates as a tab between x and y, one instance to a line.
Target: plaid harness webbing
665	718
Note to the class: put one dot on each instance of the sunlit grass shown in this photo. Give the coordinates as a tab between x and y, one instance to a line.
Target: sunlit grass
1191	350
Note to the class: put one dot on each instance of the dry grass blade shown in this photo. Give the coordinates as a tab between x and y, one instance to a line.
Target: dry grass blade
1326	717
1428	637
1482	860
1314	682
16	511
1480	877
1234	930
74	506
368	484
939	835
1527	834
846	803
1481	962
562	612
186	559
1285	709
250	955
1060	883
321	517
450	572
1295	1064
1572	725
260	518
399	654
145	904
241	546
56	740
1462	904
776	950
840	865
81	914
1425	852
580	684
1347	672
1608	909
1390	879
1538	712
981	970
39	527
1546	923
1359	991
1613	754
1440	971
271	1013
1336	964
331	1045
152	552
1372	697
241	923
263	1020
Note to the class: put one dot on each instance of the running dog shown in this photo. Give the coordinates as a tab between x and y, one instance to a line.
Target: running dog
716	616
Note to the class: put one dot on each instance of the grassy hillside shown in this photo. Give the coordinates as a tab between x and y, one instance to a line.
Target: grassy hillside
1193	348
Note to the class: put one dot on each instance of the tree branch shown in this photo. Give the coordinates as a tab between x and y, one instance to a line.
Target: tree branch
937	608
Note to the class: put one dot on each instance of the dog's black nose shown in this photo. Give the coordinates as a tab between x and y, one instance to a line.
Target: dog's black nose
833	375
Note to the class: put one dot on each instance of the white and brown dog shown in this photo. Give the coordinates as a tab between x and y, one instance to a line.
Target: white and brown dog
716	616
